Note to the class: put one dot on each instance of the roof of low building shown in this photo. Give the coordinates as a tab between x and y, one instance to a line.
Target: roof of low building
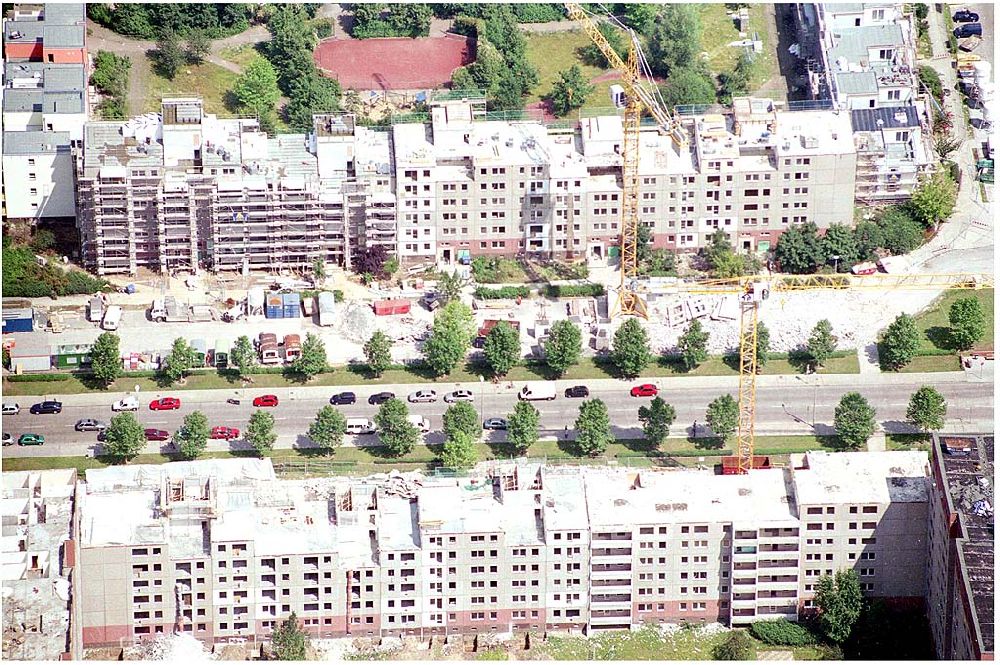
885	117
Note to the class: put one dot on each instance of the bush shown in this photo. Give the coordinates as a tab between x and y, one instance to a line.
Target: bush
575	290
782	633
506	292
323	28
930	78
29	378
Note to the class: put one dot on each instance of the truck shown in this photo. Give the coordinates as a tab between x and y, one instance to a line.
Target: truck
420	422
95	311
221	355
112	318
326	304
893	265
538	391
167	309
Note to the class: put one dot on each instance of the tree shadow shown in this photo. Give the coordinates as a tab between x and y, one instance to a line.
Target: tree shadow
708	442
940	337
91	382
732	361
901	427
801	360
231	102
672	363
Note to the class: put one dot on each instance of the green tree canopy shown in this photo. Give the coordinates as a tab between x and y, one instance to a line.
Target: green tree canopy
199	45
454	327
459	451
630	348
840	240
179	361
502	348
378	352
763	345
693	345
675	40
898	230
449	286
656	420
327	430
260	432
593	427
592	54
563	347
462	417
839	601
395	432
192	437
313	359
799	249
927	409
723	415
854	420
256	91
737	645
822	342
570	91
168	56
688	85
243	355
934	199
900	342
289	641
522	427
125	437
968	322
106	358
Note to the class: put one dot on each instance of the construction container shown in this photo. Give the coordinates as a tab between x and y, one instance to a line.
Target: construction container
292	347
326	303
71	356
255	301
731	464
292	305
200	348
274	308
18	320
387	307
221	355
490	324
269	353
30	355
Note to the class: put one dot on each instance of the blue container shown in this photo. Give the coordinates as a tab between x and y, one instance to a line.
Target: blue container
274	312
291	304
18	320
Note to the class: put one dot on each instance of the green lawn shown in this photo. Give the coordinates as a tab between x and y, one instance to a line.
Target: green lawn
552	53
241	55
908	442
718	30
208	81
933	323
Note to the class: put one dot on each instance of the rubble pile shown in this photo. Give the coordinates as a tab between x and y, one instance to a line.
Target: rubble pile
178	648
356	321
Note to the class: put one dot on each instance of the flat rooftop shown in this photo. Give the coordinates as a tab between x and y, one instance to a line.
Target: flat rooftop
862	477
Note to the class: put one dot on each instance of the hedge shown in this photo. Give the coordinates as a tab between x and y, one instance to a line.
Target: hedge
575	290
28	378
505	292
782	632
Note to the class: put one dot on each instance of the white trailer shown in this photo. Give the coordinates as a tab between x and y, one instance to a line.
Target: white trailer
326	304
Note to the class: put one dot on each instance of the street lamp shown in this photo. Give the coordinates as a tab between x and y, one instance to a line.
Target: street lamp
836	261
482	381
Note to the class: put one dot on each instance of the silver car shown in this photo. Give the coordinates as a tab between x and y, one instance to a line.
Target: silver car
459	396
90	425
423	396
11	409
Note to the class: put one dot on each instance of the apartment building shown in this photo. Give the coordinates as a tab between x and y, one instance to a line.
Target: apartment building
183	189
961	569
223	550
45	105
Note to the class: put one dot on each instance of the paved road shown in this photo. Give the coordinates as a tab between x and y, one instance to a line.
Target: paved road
785	405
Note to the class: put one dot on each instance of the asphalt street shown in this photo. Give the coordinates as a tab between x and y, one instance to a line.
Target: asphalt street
785	405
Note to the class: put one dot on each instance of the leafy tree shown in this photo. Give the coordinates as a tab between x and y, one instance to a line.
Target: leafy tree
592	55
693	345
563	346
639	16
968	322
522	427
934	199
180	360
570	91
736	82
459	451
868	237
927	409
675	40
737	645
798	250
656	420
900	342
309	95
243	355
841	241
371	259
411	19
328	428
291	38
125	437
192	437
763	345
256	91
839	601
899	231
454	327
449	287
313	358
781	632
462	418
168	56
378	352
395	432
930	78
688	85
106	358
593	427
630	348
854	420
199	45
502	348
260	432
822	342
319	267
289	641
723	415
643	244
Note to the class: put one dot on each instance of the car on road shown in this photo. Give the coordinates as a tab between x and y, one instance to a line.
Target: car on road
48	406
422	396
165	404
495	423
90	425
381	398
31	440
459	396
969	30
130	403
644	390
965	16
226	433
157	435
344	398
8	440
102	436
265	400
578	391
11	409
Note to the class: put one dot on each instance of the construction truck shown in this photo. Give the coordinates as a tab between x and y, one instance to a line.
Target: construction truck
168	310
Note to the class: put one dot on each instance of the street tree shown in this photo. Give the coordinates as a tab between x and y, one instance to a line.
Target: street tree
454	327
563	347
968	322
638	16
799	249
502	348
737	645
124	437
723	415
675	39
693	345
179	361
927	409
900	342
656	420
593	427
243	355
459	451
899	230
839	601
256	91
854	420
192	437
461	417
840	241
395	432
934	199
570	91
763	345
260	432
449	286
106	358
328	428
522	427
378	352
630	349
822	342
289	641
312	361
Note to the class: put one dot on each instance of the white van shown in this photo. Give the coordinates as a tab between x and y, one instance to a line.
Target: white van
359	426
130	403
112	318
421	423
538	391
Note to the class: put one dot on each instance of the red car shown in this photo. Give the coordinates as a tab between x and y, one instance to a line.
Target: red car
165	404
226	433
157	435
644	390
265	400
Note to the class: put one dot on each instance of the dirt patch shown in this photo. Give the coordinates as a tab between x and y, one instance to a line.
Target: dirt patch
395	63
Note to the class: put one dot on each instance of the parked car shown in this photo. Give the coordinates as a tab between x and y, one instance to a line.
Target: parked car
969	30
8	440
578	391
495	423
226	433
130	403
165	404
102	436
11	409
644	390
90	425
31	440
423	396
965	16
479	343
459	396
381	398
344	398
48	406
265	400
157	435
